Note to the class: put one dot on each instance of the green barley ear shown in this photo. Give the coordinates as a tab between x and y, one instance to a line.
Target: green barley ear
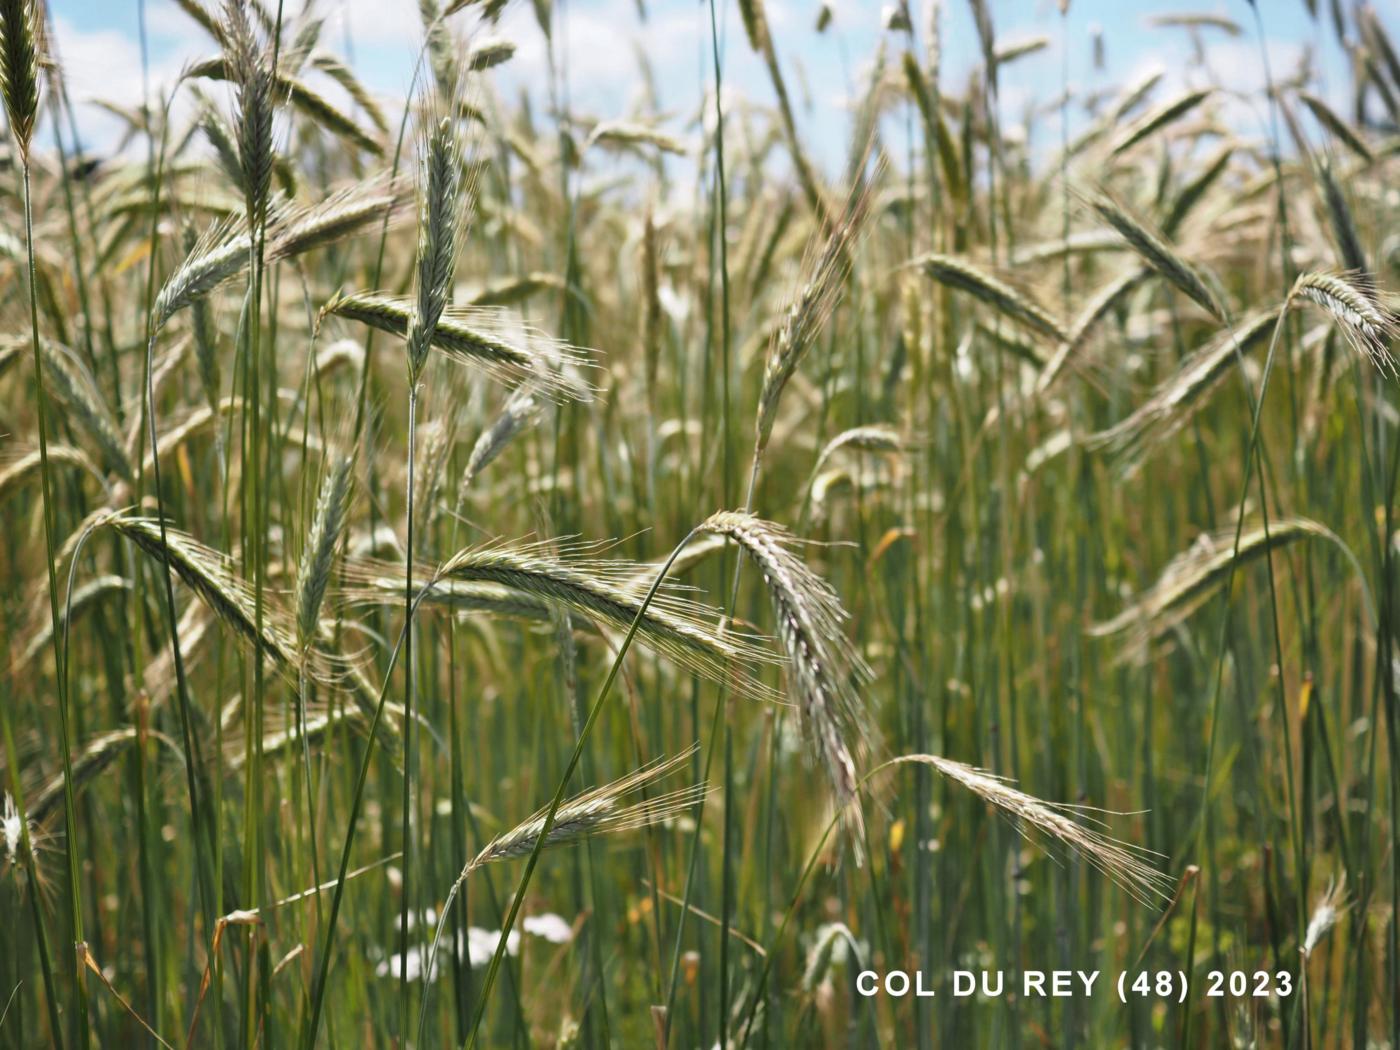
1351	301
69	378
222	252
823	668
608	593
870	437
1016	304
986	36
19	68
831	942
97	755
86	596
1336	126
1194	575
1381	43
327	526
205	335
16	471
1155	120
210	575
1093	311
488	338
1196	189
520	412
342	214
824	276
1155	251
1173	401
596	812
1340	218
489	52
599	811
248	67
652	323
201	15
755	23
440	214
1127	865
439	45
217	256
221	137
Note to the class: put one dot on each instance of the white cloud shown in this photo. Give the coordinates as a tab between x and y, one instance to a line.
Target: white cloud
106	64
597	44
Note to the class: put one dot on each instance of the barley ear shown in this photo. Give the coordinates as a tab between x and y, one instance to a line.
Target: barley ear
19	68
248	66
821	288
1348	298
823	667
1155	251
439	234
327	526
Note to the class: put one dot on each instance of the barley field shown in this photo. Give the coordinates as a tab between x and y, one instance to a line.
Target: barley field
479	571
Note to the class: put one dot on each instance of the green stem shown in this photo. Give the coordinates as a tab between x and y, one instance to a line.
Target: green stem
70	820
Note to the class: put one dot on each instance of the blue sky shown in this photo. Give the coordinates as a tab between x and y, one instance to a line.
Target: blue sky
99	44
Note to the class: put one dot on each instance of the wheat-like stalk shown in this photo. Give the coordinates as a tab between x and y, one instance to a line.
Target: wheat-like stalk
1155	120
516	288
1348	301
1171	403
999	293
1343	223
75	388
96	755
1198	20
342	214
1125	864
219	255
14	472
823	669
327	526
822	954
630	133
521	411
1336	126
1155	251
1194	575
1197	188
441	216
599	811
1066	356
248	66
493	340
870	437
82	599
333	67
20	28
209	575
594	812
821	287
609	592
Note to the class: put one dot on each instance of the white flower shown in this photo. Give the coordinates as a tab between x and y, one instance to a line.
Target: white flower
391	966
481	944
549	926
10	828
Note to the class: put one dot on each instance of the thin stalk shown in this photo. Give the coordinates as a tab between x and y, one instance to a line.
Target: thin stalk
70	820
406	819
722	233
